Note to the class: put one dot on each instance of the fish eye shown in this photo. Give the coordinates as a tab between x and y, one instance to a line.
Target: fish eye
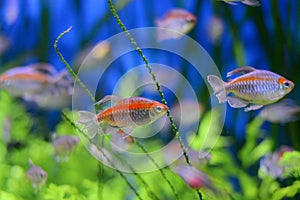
286	84
159	109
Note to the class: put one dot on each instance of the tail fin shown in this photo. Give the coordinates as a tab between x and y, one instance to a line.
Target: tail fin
218	86
89	120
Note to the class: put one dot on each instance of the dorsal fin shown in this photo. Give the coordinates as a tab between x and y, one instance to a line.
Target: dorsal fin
241	70
43	68
109	99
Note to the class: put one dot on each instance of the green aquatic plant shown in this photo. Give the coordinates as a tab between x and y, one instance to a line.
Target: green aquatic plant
140	145
158	88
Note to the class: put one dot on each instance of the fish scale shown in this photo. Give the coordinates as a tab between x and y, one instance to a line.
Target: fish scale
130	112
124	113
255	87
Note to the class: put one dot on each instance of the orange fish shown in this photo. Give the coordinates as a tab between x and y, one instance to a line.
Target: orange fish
63	146
123	113
255	87
28	80
179	20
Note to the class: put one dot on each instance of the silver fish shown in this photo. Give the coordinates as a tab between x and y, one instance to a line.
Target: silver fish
255	87
63	145
282	112
55	96
36	175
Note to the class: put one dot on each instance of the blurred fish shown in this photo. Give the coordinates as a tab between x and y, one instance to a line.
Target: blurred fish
95	55
215	29
36	175
123	113
253	3
55	96
255	87
192	176
63	146
11	11
196	158
100	153
282	112
29	79
189	106
6	128
5	43
177	19
269	164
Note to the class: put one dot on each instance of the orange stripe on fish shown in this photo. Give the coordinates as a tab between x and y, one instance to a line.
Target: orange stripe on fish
255	87
37	77
127	113
250	79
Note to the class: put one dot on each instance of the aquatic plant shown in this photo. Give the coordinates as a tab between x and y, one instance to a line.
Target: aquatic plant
247	160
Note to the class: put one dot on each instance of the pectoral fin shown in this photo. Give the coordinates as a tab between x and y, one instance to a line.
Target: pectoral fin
253	107
241	70
235	102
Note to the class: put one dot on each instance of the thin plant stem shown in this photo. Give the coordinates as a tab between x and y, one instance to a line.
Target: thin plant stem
93	99
160	170
105	156
69	67
147	187
158	87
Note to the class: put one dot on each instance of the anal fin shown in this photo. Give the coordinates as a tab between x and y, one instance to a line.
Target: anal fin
253	107
235	102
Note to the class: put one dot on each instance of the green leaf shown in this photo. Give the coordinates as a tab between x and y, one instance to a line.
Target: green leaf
63	192
208	132
290	161
289	191
9	196
251	148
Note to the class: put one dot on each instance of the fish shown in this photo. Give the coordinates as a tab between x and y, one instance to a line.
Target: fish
63	146
11	11
196	157
215	29
36	175
270	163
91	57
122	113
179	20
29	79
282	112
254	87
193	177
5	44
6	130
54	96
100	153
253	3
